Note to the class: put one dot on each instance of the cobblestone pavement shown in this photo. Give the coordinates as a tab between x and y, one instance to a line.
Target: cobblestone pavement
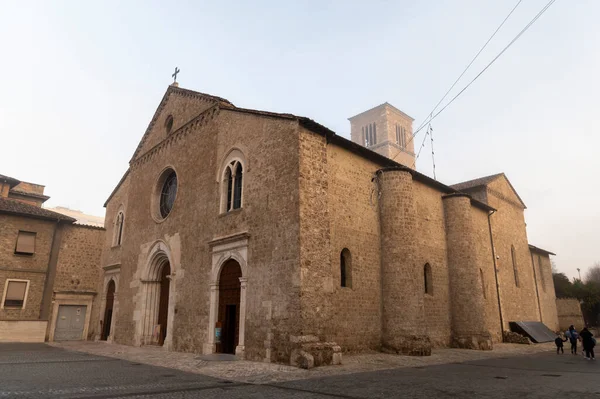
43	371
263	373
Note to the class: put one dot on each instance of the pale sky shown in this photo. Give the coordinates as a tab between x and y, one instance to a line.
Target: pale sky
80	81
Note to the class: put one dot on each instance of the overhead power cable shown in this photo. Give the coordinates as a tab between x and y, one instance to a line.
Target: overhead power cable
433	116
469	65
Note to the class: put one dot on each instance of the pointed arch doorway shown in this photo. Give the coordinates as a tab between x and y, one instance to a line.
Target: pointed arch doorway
108	312
229	306
156	298
163	302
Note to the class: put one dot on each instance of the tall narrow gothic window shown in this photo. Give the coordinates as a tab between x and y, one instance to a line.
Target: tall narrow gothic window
542	277
229	178
427	278
513	255
233	183
402	137
345	268
237	192
482	283
118	233
374	133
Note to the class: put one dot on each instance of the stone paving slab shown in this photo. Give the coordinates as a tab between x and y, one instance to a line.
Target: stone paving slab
267	373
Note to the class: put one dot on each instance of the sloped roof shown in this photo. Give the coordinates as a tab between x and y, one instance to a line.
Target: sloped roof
384	105
533	248
484	181
175	89
313	126
28	194
10	180
16	207
114	191
481	181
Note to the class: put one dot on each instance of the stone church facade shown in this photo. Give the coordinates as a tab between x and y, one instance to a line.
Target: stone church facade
269	236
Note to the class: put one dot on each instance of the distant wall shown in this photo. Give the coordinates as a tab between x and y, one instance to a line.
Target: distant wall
22	330
569	312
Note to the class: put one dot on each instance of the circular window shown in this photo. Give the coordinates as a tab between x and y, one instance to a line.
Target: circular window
168	193
169	124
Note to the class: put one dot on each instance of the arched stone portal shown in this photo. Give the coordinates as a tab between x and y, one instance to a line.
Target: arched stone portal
108	311
229	274
155	295
229	306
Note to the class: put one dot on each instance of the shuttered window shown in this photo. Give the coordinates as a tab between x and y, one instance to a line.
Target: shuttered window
25	243
15	294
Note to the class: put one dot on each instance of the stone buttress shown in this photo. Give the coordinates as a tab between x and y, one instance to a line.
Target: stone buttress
403	326
467	302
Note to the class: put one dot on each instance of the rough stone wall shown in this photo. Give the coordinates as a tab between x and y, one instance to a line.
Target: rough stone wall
26	267
508	226
183	107
78	269
355	322
316	282
431	248
569	313
269	214
403	318
468	290
111	256
486	264
546	291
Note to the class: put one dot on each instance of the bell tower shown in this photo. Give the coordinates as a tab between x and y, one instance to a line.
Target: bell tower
386	130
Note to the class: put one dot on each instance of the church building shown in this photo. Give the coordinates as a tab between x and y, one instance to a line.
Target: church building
269	236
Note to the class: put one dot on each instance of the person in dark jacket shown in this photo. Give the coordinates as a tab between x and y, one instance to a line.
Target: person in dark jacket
559	344
588	341
573	337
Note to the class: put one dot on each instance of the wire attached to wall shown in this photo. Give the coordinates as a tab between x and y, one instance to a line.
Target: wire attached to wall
432	151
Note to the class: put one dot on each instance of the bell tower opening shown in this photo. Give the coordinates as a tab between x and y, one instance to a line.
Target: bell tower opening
387	131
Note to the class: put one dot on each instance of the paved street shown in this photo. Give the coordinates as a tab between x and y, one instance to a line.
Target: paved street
41	371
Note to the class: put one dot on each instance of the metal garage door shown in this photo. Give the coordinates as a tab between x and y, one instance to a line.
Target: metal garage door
69	323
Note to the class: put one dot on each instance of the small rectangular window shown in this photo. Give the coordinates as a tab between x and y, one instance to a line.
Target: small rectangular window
25	243
15	294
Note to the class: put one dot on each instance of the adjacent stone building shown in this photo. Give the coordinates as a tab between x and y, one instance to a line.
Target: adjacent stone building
269	236
49	268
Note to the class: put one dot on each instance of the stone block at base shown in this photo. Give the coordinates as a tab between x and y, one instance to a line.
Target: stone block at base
511	337
411	345
476	341
311	353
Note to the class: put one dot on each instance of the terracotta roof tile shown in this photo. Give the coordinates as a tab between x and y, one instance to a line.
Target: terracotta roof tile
482	181
15	207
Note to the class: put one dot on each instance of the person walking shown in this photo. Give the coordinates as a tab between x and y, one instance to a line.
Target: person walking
573	337
588	341
559	344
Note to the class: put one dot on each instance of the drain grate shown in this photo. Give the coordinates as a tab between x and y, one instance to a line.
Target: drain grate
500	377
551	375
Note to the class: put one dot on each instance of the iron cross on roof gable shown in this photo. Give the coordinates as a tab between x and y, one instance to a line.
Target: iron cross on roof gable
175	74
